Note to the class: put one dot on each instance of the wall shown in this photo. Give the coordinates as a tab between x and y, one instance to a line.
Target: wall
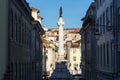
3	36
75	52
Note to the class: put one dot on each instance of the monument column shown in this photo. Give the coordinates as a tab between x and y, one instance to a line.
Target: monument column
61	47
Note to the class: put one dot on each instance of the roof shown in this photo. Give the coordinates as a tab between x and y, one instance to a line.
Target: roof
71	28
47	45
78	41
65	29
34	9
73	32
75	45
39	17
52	35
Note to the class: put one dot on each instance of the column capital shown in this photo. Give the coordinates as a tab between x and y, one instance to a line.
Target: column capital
60	22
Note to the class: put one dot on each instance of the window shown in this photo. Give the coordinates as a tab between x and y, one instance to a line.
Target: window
46	51
111	14
104	23
98	55
100	25
19	30
29	38
51	65
11	69
22	26
11	26
25	36
74	58
104	54
101	54
75	67
15	27
100	2
97	4
97	24
112	52
46	58
107	17
16	70
107	53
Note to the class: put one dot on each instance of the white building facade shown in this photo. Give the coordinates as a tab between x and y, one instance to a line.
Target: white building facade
73	52
50	53
72	48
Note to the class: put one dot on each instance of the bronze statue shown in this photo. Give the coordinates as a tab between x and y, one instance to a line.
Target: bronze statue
60	12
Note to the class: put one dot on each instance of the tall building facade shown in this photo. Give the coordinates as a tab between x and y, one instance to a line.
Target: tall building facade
19	26
88	43
107	22
16	25
36	45
50	52
105	37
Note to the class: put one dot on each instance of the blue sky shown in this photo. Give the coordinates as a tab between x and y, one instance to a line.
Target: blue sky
73	11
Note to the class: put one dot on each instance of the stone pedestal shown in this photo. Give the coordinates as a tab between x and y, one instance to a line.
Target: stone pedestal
61	72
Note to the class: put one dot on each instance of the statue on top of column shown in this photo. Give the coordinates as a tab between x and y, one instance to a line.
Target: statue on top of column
60	12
